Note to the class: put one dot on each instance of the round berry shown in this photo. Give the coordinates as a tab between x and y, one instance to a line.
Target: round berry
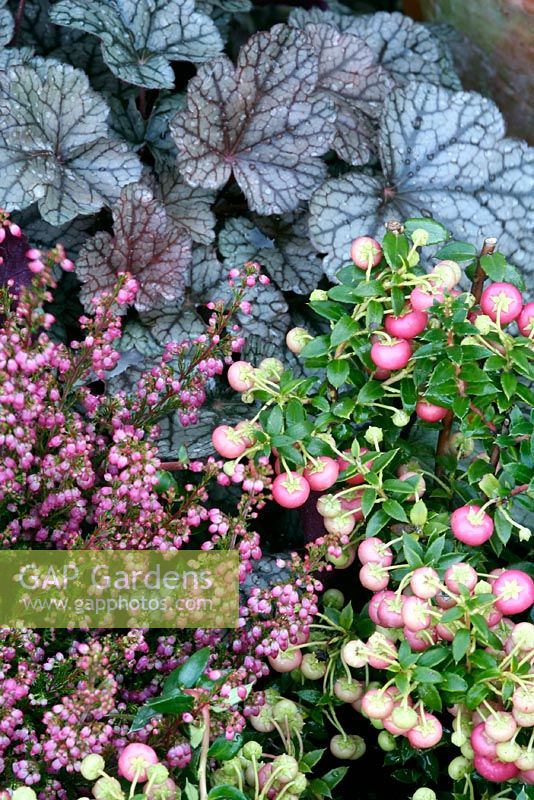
366	252
241	376
322	474
501	302
514	590
135	760
471	525
391	355
290	490
525	321
429	412
408	325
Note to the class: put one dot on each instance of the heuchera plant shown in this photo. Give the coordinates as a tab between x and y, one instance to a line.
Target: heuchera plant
412	437
226	131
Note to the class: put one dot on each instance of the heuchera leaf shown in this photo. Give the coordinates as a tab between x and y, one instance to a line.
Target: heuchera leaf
140	37
442	155
13	261
54	147
260	121
6	24
356	85
13	56
407	49
146	244
197	438
280	244
189	207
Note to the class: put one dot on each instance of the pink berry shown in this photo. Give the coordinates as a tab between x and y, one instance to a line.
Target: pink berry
135	760
409	325
374	604
481	743
514	590
290	490
375	550
286	660
492	770
421	300
377	704
500	726
241	376
426	733
228	441
389	611
525	321
392	355
424	583
420	640
471	525
461	574
420	486
430	412
373	577
366	252
296	339
501	302
322	474
416	614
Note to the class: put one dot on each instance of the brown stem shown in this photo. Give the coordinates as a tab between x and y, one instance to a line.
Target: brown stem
142	103
495	451
172	466
19	16
519	489
480	276
443	439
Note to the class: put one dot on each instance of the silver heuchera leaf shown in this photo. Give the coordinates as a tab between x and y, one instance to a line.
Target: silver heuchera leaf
172	324
442	155
260	121
84	52
6	24
351	78
187	206
13	57
280	244
54	147
140	37
138	338
146	244
206	272
407	49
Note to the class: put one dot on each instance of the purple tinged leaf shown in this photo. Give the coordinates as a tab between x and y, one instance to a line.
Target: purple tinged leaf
206	272
197	438
157	135
141	37
187	206
13	261
260	121
145	243
280	244
173	324
54	147
442	155
356	85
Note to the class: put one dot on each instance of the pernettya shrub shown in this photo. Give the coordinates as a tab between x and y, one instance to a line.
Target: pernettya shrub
218	133
413	436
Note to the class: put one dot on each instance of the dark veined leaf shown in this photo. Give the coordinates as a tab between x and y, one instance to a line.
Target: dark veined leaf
54	144
351	79
13	261
442	154
146	244
140	38
266	125
6	24
196	439
188	207
157	134
13	56
405	48
280	244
